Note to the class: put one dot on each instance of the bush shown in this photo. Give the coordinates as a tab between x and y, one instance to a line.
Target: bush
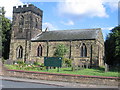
67	62
20	65
14	62
42	67
3	60
20	62
36	63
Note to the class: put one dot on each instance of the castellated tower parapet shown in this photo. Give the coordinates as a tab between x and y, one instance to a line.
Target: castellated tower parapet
27	8
27	19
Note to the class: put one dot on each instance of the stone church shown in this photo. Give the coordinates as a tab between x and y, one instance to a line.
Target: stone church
30	43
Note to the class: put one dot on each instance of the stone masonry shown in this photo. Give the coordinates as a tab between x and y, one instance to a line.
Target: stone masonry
30	43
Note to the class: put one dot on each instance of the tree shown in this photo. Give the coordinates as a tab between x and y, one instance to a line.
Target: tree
0	32
61	50
112	47
5	32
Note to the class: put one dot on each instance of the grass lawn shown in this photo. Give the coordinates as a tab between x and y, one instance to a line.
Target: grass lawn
91	72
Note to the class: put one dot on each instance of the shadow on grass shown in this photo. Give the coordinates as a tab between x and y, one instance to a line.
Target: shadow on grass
102	69
67	70
115	69
98	69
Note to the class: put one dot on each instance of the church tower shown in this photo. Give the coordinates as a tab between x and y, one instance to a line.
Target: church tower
27	23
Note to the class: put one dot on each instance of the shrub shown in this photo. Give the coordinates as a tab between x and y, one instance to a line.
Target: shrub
20	62
3	60
43	68
14	62
42	65
36	63
67	61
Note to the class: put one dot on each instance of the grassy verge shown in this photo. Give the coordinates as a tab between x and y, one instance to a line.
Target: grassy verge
91	72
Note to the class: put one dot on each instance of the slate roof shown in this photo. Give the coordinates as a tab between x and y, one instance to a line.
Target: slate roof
81	34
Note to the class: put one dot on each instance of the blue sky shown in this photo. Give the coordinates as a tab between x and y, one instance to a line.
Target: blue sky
74	14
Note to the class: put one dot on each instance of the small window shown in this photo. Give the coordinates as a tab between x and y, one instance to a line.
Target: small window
39	51
83	51
36	21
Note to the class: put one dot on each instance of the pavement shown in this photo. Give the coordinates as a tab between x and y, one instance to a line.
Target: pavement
56	83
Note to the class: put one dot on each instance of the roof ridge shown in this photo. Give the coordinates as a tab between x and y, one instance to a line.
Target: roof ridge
74	29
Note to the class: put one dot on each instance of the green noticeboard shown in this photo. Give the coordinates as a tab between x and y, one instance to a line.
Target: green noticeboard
53	61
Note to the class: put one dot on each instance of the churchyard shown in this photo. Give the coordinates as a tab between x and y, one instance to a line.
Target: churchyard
97	71
66	65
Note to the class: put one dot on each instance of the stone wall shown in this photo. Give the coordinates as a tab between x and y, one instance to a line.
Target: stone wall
3	70
95	80
27	8
94	50
13	49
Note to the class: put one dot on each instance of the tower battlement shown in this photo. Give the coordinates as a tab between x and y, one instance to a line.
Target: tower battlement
26	8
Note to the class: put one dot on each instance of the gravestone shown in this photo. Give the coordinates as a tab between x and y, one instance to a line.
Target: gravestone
87	63
8	61
77	65
73	66
106	67
29	62
81	65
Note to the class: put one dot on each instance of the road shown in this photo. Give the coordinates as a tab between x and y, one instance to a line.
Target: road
12	82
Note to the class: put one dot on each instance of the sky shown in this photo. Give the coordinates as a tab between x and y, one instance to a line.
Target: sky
72	14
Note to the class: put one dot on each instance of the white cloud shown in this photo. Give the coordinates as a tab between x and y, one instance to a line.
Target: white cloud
113	4
43	0
90	8
107	28
49	26
8	5
72	7
68	23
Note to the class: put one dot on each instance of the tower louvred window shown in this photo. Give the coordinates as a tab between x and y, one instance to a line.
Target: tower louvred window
21	22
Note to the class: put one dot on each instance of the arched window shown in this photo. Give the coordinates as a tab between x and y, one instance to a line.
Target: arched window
19	52
83	51
39	51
